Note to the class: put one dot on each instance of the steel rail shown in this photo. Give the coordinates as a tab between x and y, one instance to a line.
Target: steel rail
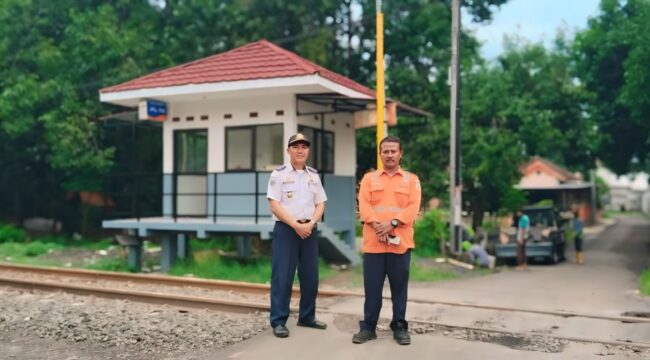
224	285
254	288
242	307
140	296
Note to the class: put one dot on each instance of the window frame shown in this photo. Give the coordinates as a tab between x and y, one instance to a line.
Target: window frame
252	129
207	149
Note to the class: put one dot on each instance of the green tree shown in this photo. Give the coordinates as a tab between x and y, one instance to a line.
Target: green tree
611	56
527	103
54	56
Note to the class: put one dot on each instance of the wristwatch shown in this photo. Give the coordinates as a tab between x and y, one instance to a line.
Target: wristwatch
394	223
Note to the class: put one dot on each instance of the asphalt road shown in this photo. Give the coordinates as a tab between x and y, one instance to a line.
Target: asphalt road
605	285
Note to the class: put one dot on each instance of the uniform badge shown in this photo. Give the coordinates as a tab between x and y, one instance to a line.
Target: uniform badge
290	194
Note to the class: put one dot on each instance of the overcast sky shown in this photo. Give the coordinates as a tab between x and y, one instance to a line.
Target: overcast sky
535	20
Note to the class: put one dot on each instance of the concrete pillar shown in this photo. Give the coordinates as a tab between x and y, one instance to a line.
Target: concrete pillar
348	238
134	258
133	247
244	246
183	242
169	251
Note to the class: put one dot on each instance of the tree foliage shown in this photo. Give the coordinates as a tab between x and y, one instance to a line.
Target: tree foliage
570	103
612	56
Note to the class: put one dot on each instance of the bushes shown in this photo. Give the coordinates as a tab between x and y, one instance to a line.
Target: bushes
23	250
430	230
10	233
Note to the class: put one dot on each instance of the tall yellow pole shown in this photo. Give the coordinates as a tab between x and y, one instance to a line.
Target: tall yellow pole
381	103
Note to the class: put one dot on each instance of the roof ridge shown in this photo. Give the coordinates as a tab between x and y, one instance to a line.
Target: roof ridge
562	171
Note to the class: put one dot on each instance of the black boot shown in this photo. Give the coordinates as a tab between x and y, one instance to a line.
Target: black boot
363	336
400	333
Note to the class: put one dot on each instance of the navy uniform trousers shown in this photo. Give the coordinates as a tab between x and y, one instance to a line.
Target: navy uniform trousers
289	251
376	267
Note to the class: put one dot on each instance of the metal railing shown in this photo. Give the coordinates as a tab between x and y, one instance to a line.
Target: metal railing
139	195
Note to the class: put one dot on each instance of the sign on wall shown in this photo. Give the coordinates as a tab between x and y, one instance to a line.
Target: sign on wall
152	110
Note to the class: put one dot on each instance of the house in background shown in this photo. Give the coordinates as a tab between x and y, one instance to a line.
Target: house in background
226	120
626	192
543	180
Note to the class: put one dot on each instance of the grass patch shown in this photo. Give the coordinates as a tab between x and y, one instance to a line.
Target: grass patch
426	273
225	243
224	268
609	214
111	264
18	251
644	283
66	241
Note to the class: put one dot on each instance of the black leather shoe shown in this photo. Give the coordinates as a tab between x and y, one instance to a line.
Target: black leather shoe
281	331
363	336
401	334
313	324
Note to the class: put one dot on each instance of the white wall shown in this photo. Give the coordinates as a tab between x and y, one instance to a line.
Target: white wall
538	180
645	202
239	108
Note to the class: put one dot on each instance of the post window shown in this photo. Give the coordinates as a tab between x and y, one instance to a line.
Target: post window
190	151
254	148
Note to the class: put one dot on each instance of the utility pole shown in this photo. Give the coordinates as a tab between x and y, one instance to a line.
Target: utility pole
594	196
381	102
455	190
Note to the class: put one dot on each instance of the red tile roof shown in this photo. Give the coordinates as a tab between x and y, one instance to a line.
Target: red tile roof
257	60
537	162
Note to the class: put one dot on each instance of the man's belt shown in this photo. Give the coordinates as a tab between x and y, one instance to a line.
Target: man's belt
304	221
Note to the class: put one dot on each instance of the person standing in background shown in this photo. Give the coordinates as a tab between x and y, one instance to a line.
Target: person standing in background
523	229
578	228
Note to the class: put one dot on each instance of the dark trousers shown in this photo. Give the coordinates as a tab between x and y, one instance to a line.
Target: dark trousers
376	267
289	251
521	253
578	242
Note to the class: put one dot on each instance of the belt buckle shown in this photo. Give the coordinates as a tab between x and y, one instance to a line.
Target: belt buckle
303	221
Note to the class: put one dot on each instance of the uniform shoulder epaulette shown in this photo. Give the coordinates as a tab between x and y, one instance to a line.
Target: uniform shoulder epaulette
312	169
281	168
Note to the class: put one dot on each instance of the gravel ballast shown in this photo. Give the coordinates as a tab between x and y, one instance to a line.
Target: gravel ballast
136	329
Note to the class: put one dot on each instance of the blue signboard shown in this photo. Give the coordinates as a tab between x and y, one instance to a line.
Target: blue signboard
156	110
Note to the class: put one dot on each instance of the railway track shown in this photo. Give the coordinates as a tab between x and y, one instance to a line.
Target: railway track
263	289
185	301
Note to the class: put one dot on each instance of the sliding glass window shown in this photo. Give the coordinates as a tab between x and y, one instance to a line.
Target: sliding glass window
190	151
254	148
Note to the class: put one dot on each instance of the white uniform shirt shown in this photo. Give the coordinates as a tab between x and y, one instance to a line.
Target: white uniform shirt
298	191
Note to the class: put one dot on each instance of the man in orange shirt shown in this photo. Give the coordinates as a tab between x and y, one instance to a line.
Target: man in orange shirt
389	202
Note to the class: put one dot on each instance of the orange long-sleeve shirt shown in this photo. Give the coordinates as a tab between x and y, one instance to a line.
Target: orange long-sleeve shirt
383	197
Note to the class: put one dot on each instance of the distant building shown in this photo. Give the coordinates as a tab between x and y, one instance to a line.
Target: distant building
544	180
626	192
